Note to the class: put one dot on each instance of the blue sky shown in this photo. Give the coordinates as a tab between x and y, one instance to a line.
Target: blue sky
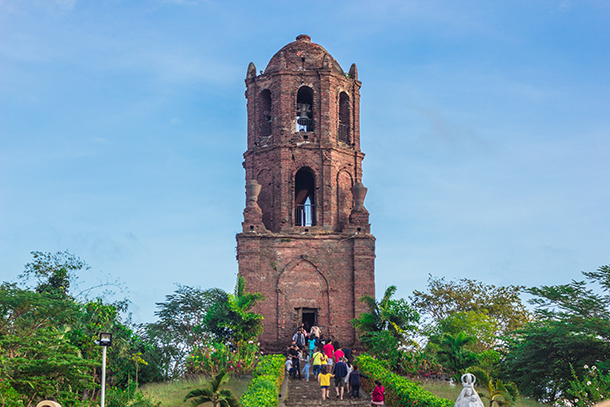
486	127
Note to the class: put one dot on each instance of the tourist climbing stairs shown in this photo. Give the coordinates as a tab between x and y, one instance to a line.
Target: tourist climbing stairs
302	393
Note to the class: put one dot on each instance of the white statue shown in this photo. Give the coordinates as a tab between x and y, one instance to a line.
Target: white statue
469	396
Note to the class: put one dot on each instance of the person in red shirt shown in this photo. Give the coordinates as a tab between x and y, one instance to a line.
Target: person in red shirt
378	395
329	349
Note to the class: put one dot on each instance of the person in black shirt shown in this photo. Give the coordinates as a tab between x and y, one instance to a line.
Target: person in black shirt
294	356
354	381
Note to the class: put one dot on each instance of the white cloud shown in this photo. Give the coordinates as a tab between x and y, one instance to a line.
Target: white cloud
565	5
65	4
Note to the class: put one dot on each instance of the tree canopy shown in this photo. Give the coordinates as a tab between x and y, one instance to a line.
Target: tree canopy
444	298
571	331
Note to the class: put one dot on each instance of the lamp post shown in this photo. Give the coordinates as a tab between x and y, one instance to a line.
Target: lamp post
104	341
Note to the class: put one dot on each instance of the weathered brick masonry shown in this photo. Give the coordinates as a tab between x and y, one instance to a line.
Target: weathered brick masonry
306	242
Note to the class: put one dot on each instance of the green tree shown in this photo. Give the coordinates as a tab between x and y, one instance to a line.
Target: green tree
576	304
54	273
244	324
444	298
47	335
453	353
498	392
474	323
538	357
232	319
394	316
214	394
572	328
181	325
46	365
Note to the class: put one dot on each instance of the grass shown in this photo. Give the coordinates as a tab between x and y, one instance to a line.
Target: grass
171	394
451	392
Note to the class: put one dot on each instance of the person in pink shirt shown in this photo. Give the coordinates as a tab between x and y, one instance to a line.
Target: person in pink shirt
338	352
329	349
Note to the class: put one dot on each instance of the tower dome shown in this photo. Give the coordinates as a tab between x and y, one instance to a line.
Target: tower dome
302	55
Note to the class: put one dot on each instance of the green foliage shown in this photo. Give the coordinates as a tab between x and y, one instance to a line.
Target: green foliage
264	388
215	357
498	392
453	352
47	336
38	358
231	319
214	394
572	329
54	273
418	362
131	396
479	325
590	389
181	325
383	345
446	298
399	390
538	358
394	316
9	396
45	365
576	305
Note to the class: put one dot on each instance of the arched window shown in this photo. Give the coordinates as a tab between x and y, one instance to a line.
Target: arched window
344	118
304	198
304	112
265	118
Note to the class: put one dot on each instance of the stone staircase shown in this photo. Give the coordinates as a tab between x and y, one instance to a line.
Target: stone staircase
302	393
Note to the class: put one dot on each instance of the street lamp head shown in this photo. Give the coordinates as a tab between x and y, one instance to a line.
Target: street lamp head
105	339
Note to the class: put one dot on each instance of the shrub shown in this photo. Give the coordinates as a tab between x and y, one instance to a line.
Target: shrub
131	396
418	362
8	396
589	390
399	390
215	357
264	388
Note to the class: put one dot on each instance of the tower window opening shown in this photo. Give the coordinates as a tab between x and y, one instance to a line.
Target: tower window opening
304	198
265	119
304	109
344	118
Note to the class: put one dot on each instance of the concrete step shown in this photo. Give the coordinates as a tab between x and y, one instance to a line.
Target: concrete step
302	393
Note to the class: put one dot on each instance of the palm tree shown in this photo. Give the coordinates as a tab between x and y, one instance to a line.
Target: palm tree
395	316
497	392
453	352
245	325
213	394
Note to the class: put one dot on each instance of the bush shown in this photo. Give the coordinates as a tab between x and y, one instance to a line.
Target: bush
418	362
131	396
399	390
589	390
8	396
264	388
215	357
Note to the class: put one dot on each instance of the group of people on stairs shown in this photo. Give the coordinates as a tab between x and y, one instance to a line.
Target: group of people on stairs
329	361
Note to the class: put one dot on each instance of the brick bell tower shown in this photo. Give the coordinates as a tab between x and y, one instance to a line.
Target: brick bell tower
306	242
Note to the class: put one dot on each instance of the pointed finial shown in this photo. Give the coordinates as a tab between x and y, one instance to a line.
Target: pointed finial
353	72
251	71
